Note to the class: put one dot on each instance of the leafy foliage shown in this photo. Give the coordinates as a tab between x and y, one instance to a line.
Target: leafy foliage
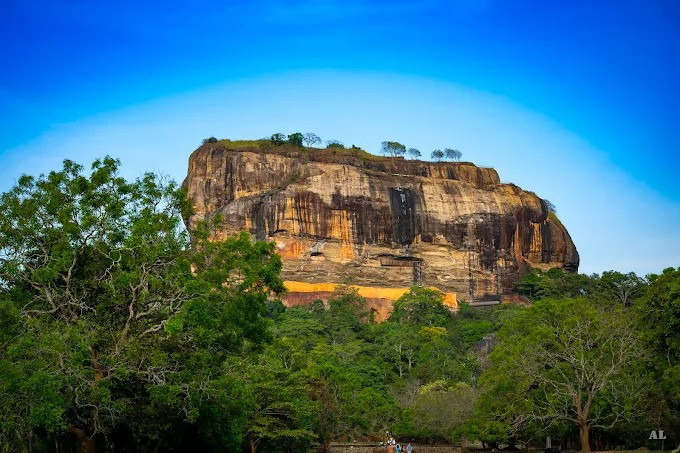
333	144
311	139
452	154
296	139
610	289
659	316
550	206
437	154
278	139
565	361
119	326
111	319
392	149
414	153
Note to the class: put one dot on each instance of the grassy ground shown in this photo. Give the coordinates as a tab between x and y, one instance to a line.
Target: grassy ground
266	145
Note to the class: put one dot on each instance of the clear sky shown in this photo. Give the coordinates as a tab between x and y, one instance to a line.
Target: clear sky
577	101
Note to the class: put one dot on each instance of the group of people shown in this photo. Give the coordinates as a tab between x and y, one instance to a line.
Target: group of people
394	447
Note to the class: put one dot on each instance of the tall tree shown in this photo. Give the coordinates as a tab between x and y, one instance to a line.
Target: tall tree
392	149
452	154
399	346
563	361
422	306
437	154
278	139
440	411
296	139
659	314
621	288
311	139
280	409
414	153
113	315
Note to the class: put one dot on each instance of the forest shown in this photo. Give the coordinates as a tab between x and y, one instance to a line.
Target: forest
121	331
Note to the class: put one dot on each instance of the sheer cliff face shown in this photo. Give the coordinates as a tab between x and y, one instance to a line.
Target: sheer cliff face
380	222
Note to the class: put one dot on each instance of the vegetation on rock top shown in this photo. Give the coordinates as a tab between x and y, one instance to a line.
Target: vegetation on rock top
297	141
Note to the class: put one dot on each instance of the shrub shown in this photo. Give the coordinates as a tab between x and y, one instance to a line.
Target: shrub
296	139
278	139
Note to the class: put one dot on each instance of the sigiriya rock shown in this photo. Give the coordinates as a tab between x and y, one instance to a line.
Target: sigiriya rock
382	224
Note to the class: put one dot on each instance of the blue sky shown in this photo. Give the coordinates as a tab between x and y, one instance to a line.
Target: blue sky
575	100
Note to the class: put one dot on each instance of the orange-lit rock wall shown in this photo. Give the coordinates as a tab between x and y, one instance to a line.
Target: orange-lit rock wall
379	299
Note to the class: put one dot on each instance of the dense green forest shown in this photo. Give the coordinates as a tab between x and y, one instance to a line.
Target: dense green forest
121	331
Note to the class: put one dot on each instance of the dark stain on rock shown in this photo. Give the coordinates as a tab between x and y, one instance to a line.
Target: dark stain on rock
546	242
257	218
371	222
403	204
313	215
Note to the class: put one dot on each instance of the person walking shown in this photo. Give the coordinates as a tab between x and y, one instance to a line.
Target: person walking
398	449
409	448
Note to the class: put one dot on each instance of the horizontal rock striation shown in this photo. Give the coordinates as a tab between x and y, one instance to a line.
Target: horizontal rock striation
380	222
379	300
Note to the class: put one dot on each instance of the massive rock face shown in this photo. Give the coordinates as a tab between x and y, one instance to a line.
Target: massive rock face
380	222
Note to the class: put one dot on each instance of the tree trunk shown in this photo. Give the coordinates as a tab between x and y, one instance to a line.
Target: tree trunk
253	448
88	445
85	444
585	437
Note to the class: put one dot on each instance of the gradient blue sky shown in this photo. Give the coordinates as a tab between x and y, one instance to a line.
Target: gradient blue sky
577	101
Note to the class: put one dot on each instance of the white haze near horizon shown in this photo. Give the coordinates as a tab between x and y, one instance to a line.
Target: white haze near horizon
615	221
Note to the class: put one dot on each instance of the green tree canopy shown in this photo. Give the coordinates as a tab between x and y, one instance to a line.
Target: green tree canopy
414	153
421	306
659	313
278	139
296	139
104	297
452	154
437	154
565	362
334	144
392	149
311	139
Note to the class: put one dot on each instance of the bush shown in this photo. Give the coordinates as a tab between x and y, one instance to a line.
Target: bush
209	140
296	139
278	139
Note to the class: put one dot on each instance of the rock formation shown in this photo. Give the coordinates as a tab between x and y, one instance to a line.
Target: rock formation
346	216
